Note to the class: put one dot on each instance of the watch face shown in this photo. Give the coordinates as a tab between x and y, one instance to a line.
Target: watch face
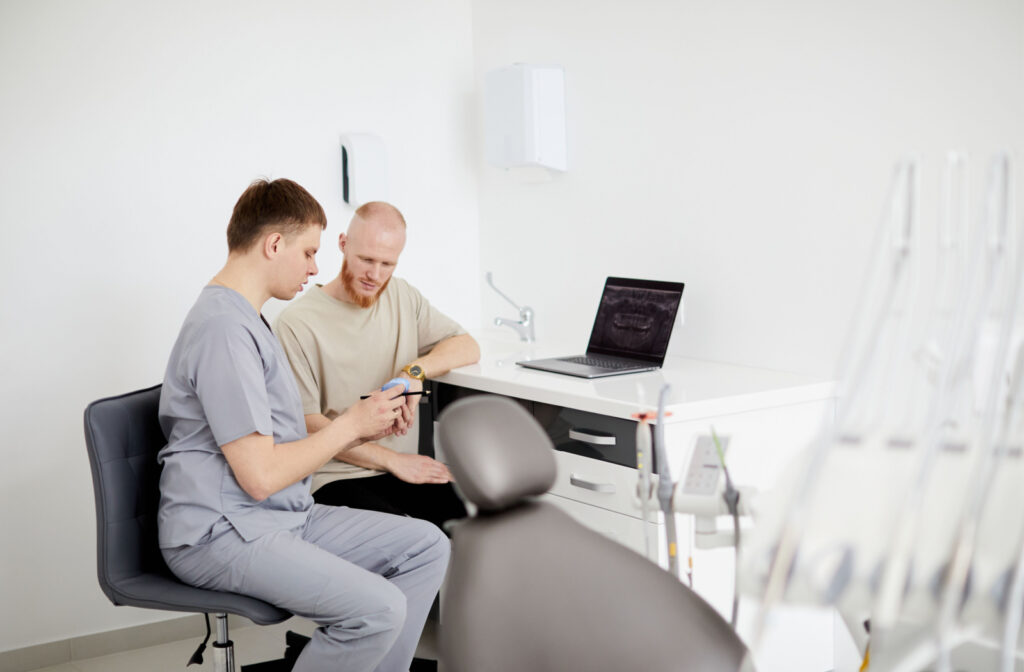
415	372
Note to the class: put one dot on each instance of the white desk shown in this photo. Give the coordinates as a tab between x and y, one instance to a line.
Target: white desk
768	415
699	389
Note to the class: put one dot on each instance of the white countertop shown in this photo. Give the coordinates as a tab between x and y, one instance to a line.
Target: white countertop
699	389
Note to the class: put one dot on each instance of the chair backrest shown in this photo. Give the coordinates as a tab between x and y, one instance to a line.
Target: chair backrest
123	436
529	588
481	428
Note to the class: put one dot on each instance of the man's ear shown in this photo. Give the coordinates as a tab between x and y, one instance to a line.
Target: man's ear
342	241
273	244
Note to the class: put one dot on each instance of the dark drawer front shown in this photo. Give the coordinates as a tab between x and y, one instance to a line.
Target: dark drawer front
598	437
443	394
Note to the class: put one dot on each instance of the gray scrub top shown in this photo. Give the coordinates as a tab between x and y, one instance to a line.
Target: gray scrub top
227	377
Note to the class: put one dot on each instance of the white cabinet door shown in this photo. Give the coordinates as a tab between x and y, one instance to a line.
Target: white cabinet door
626	530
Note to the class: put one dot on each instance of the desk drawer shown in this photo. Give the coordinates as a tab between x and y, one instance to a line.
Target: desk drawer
625	530
598	437
590	435
597	483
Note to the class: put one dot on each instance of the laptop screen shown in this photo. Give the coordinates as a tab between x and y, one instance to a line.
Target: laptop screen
635	319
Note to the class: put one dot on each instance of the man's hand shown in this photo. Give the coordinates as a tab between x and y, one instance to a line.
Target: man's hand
376	416
403	423
413	400
418	469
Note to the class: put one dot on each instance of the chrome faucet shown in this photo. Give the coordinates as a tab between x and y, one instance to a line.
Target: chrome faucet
524	325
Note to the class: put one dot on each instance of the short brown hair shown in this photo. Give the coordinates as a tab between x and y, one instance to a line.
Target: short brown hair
281	205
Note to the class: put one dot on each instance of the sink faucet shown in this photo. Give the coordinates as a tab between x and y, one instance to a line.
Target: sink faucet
524	325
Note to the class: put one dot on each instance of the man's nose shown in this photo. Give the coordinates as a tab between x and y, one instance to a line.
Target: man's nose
374	272
313	268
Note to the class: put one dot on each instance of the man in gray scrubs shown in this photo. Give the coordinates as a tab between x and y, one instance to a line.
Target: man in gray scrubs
235	510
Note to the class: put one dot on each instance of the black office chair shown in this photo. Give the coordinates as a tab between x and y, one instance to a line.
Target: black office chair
123	436
529	588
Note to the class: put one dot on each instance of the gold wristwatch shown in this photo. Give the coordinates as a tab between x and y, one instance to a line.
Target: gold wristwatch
415	371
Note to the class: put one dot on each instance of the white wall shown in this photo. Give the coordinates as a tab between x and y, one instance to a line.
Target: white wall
740	147
127	131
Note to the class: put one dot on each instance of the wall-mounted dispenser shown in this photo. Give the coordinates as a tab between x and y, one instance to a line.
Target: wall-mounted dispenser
524	116
364	169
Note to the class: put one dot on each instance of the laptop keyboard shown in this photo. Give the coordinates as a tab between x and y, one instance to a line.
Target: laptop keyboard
599	361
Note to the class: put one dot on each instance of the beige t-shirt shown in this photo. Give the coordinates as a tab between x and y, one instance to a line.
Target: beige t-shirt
340	351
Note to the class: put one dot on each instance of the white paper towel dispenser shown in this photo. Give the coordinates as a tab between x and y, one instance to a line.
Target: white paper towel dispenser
524	116
364	169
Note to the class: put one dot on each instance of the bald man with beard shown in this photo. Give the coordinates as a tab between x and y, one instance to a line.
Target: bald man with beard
355	333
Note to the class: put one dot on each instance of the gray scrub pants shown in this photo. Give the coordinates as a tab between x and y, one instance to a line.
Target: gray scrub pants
367	578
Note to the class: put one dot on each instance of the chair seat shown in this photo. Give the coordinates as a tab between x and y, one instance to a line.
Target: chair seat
154	591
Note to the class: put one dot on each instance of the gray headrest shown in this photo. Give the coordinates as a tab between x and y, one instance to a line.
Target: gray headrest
496	451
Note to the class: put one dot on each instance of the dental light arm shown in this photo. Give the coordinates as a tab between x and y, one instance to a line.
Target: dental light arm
887	275
994	432
988	264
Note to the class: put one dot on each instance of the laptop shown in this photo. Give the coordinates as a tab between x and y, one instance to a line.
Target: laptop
631	331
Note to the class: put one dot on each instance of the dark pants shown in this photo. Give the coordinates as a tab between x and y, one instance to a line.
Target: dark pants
386	493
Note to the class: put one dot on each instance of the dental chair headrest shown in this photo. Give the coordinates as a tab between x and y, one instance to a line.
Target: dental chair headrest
496	451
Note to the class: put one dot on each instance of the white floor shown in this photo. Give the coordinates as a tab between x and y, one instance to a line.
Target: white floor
253	644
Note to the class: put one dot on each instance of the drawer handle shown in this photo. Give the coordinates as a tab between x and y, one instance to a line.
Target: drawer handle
590	485
592	436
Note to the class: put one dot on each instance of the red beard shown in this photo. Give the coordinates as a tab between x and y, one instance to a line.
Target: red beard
348	281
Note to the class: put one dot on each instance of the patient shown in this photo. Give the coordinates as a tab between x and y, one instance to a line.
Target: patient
355	333
236	513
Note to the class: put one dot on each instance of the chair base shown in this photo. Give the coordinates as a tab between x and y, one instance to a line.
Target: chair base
296	642
280	665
